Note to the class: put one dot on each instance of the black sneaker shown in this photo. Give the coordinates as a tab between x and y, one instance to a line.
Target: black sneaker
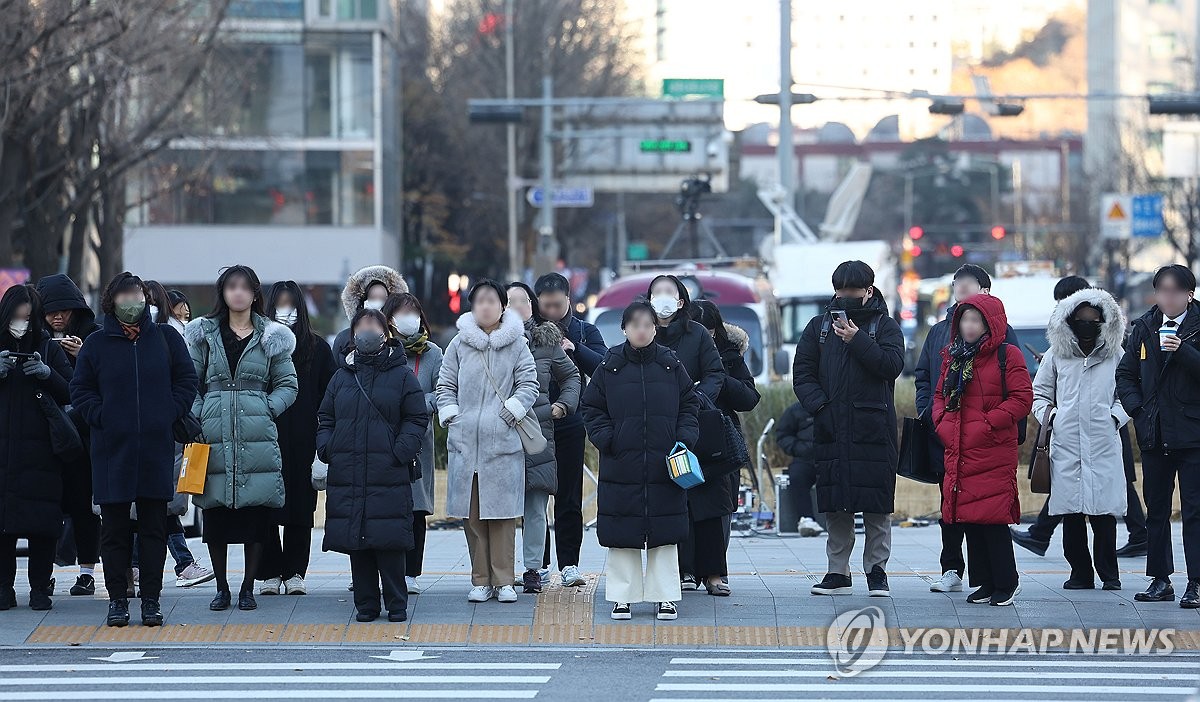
667	611
118	613
877	584
689	582
366	617
532	581
1071	584
1022	538
1004	598
397	617
1112	584
621	612
221	602
85	586
8	599
981	596
50	587
39	600
246	601
833	584
151	612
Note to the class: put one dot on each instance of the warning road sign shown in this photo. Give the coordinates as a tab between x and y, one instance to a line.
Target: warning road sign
1115	216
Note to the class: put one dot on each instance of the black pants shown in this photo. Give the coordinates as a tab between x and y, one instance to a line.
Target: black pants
116	546
289	558
1158	481
1104	547
568	500
1135	519
802	476
415	559
80	540
367	569
703	554
990	559
41	561
952	545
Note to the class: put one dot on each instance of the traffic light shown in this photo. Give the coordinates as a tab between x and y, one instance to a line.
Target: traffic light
915	251
998	232
915	233
957	251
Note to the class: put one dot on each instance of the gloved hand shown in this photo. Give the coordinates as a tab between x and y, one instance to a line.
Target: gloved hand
34	367
7	363
507	416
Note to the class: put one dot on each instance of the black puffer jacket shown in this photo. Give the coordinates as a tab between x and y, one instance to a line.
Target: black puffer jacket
695	348
1161	391
639	403
370	450
794	434
850	391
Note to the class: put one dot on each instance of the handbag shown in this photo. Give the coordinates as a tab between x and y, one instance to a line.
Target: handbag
721	441
64	437
684	467
528	427
1039	463
915	463
193	469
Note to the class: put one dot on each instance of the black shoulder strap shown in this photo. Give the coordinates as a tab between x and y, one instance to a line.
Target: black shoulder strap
1002	357
827	325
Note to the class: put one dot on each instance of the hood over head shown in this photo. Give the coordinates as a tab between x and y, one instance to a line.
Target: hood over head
994	316
360	280
1112	331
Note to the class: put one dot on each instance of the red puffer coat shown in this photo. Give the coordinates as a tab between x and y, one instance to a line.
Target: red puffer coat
980	486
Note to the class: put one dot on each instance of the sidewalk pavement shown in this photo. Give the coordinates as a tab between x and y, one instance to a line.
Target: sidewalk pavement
770	605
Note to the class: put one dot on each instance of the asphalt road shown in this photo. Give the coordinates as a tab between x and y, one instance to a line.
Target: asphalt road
564	674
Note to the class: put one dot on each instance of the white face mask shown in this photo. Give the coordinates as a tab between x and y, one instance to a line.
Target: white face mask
18	329
286	315
373	305
664	305
153	311
407	324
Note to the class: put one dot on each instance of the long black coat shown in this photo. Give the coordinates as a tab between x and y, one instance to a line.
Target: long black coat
849	389
298	435
130	393
370	450
639	403
1161	391
30	474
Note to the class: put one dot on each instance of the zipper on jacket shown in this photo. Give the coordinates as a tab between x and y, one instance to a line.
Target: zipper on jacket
645	450
954	499
137	393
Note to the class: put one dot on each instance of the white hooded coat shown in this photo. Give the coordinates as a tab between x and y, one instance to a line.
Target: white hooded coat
478	441
1087	473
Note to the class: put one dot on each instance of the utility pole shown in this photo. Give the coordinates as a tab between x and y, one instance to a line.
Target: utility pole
515	258
786	150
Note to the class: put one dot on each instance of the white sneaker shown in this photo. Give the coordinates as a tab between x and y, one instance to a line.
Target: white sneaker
949	582
295	586
270	587
137	576
621	612
571	577
667	611
194	574
810	527
482	593
507	594
414	585
544	573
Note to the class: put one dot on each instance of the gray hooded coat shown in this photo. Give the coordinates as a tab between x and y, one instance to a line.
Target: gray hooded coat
352	301
1087	469
553	364
479	441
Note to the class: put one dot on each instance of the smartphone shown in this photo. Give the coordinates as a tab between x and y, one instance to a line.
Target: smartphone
840	316
21	356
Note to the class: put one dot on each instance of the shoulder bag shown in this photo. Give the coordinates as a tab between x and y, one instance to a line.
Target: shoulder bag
528	427
1039	463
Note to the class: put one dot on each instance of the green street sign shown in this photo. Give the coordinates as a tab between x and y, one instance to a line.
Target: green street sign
637	251
693	87
665	146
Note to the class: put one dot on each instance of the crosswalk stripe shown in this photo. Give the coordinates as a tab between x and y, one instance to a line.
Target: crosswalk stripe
306	694
1167	661
843	686
873	699
213	667
1005	674
212	680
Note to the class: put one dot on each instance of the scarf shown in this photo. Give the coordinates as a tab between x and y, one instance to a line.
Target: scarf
960	371
417	344
132	331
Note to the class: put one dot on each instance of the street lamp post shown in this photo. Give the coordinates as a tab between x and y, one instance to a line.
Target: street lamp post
514	253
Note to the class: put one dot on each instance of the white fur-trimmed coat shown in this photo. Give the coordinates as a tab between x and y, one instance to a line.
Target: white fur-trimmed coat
1087	471
479	441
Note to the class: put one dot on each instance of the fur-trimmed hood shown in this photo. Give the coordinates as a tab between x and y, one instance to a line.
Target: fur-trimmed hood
738	336
544	335
356	286
512	328
1112	333
276	339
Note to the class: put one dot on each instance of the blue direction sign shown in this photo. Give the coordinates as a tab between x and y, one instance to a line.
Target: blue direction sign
563	197
1147	217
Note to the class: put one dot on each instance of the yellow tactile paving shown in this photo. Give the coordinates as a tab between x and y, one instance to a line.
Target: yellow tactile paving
126	634
251	633
801	636
438	633
376	633
313	633
675	634
62	634
560	634
747	636
190	633
627	635
499	634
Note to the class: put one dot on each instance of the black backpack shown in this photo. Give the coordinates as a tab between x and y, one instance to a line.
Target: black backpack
1002	357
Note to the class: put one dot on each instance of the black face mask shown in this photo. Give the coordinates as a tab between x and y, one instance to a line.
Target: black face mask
1084	330
849	304
368	343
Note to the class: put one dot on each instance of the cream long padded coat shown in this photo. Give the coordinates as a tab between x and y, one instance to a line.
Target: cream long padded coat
479	441
1087	471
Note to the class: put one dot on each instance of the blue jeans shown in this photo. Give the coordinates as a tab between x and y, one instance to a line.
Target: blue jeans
176	544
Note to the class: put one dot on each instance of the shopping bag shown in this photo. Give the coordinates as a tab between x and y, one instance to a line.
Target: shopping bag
193	469
684	467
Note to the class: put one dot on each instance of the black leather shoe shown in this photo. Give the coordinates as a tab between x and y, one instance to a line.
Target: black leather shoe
1112	584
1022	538
1160	590
118	613
85	586
246	601
1191	596
365	617
220	603
1079	585
39	601
8	599
1132	550
151	612
397	617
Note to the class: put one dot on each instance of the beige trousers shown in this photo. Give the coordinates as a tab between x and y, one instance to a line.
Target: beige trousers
492	545
626	582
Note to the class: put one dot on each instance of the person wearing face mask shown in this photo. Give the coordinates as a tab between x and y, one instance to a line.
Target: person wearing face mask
640	403
247	380
979	399
371	426
1077	382
285	563
559	387
133	381
969	280
411	328
30	473
366	289
70	320
487	384
844	374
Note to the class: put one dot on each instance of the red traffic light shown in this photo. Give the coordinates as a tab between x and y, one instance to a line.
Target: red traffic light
957	251
998	232
915	233
915	251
